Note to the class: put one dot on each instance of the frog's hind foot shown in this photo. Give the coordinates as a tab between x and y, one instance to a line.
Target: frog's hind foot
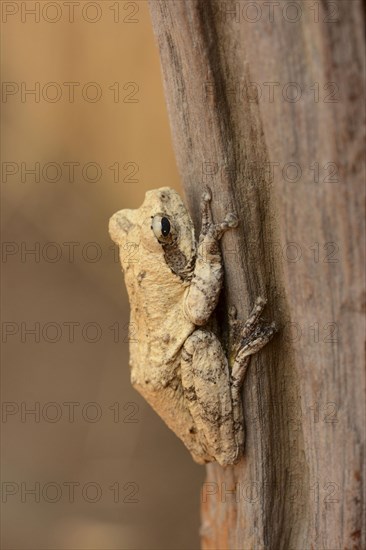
252	337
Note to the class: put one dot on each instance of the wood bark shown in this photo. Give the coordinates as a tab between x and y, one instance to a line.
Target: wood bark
243	92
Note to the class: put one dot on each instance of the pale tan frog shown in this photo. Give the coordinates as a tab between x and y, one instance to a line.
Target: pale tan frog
173	286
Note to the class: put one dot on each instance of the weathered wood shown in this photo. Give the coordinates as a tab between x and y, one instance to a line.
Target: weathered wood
300	484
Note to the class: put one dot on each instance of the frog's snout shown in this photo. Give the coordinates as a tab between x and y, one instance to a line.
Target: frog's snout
120	224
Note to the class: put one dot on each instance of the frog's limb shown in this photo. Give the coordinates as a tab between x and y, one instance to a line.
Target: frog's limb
253	337
206	385
203	292
247	338
213	393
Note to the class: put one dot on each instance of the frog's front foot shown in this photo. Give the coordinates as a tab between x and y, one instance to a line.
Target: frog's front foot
215	230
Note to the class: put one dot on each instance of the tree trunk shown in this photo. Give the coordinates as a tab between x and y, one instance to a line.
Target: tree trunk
266	106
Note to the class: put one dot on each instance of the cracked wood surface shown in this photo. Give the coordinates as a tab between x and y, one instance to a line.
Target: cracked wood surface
301	482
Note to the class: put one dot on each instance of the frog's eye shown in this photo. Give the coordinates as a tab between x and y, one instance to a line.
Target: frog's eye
162	228
165	226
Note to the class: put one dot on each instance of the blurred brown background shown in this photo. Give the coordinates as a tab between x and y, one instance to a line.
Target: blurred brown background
92	467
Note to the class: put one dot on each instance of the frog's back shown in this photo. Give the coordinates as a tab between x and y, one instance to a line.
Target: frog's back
158	325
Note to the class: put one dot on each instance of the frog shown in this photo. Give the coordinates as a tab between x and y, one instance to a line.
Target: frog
177	363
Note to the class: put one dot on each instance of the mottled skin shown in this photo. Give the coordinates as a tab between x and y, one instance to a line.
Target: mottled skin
173	286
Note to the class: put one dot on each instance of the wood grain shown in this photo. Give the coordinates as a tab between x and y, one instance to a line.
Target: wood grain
242	94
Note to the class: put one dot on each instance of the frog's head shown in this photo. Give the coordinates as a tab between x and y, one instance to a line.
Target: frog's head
161	228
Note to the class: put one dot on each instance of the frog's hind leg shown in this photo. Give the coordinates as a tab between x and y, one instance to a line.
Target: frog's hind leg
212	392
207	390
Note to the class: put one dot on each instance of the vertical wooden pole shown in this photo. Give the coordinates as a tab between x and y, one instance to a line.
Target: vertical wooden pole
266	106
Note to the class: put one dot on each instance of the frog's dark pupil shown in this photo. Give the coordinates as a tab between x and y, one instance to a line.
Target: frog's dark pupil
165	227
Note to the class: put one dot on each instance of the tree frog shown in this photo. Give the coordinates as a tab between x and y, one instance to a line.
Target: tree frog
173	284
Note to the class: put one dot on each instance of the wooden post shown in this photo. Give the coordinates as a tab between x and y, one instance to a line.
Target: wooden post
266	106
